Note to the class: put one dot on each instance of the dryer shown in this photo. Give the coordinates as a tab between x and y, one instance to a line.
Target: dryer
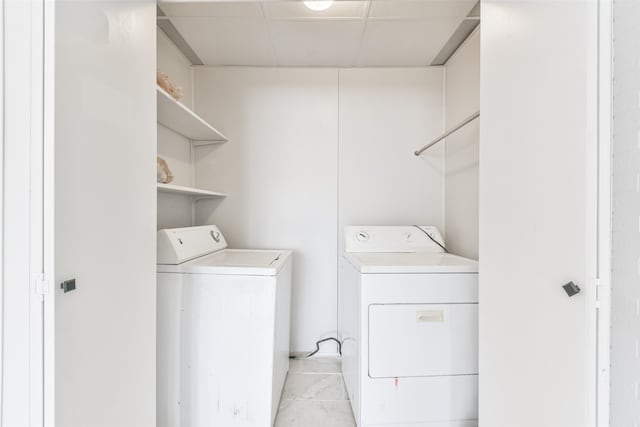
222	330
409	327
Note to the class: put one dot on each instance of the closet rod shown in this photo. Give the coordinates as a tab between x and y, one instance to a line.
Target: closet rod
449	132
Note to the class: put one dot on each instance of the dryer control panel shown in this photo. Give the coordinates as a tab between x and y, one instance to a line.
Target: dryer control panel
403	238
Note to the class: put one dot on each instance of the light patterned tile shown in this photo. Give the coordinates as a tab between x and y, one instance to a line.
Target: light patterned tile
295	366
325	365
312	413
314	386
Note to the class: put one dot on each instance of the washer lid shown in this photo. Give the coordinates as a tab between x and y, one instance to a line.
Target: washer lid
417	262
233	262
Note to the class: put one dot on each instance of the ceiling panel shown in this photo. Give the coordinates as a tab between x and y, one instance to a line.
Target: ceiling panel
297	10
419	9
408	43
228	41
319	43
286	33
208	8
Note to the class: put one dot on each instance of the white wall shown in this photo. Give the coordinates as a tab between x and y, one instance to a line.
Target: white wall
310	150
105	213
171	61
280	171
385	115
175	210
625	295
537	213
462	149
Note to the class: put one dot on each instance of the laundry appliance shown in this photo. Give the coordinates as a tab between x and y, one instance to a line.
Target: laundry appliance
408	314
223	330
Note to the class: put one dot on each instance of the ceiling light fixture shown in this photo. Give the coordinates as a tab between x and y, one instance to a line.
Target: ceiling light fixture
318	5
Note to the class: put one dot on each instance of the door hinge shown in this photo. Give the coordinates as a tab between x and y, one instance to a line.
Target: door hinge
42	286
602	292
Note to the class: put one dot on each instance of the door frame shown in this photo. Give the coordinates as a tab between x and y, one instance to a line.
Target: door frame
48	210
604	224
26	48
597	214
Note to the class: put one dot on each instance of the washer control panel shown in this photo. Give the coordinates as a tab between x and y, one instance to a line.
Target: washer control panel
177	245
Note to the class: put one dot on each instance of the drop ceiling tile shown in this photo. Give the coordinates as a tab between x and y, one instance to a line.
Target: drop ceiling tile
316	43
297	10
228	41
404	43
209	8
419	9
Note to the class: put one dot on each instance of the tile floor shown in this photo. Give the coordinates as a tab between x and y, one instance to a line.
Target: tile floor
314	395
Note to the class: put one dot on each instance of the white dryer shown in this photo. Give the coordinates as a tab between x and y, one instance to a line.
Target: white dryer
409	327
223	330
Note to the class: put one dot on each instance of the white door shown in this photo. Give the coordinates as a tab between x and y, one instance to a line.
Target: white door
538	213
105	213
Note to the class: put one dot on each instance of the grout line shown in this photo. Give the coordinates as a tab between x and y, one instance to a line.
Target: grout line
193	88
365	21
338	217
443	160
315	400
320	67
314	373
270	33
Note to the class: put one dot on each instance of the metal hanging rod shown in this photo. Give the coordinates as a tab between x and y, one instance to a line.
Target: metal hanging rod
449	132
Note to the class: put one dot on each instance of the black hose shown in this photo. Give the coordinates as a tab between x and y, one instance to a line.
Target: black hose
432	239
318	348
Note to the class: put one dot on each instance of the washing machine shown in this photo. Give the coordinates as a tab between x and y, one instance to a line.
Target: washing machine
222	330
408	315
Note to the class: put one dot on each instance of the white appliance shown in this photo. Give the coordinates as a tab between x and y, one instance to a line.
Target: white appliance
409	326
223	330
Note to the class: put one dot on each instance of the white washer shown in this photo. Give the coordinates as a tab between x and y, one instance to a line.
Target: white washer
223	330
409	326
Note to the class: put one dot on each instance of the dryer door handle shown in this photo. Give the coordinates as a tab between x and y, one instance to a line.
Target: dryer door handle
430	316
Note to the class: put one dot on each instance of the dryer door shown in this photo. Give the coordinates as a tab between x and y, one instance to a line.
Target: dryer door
415	340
